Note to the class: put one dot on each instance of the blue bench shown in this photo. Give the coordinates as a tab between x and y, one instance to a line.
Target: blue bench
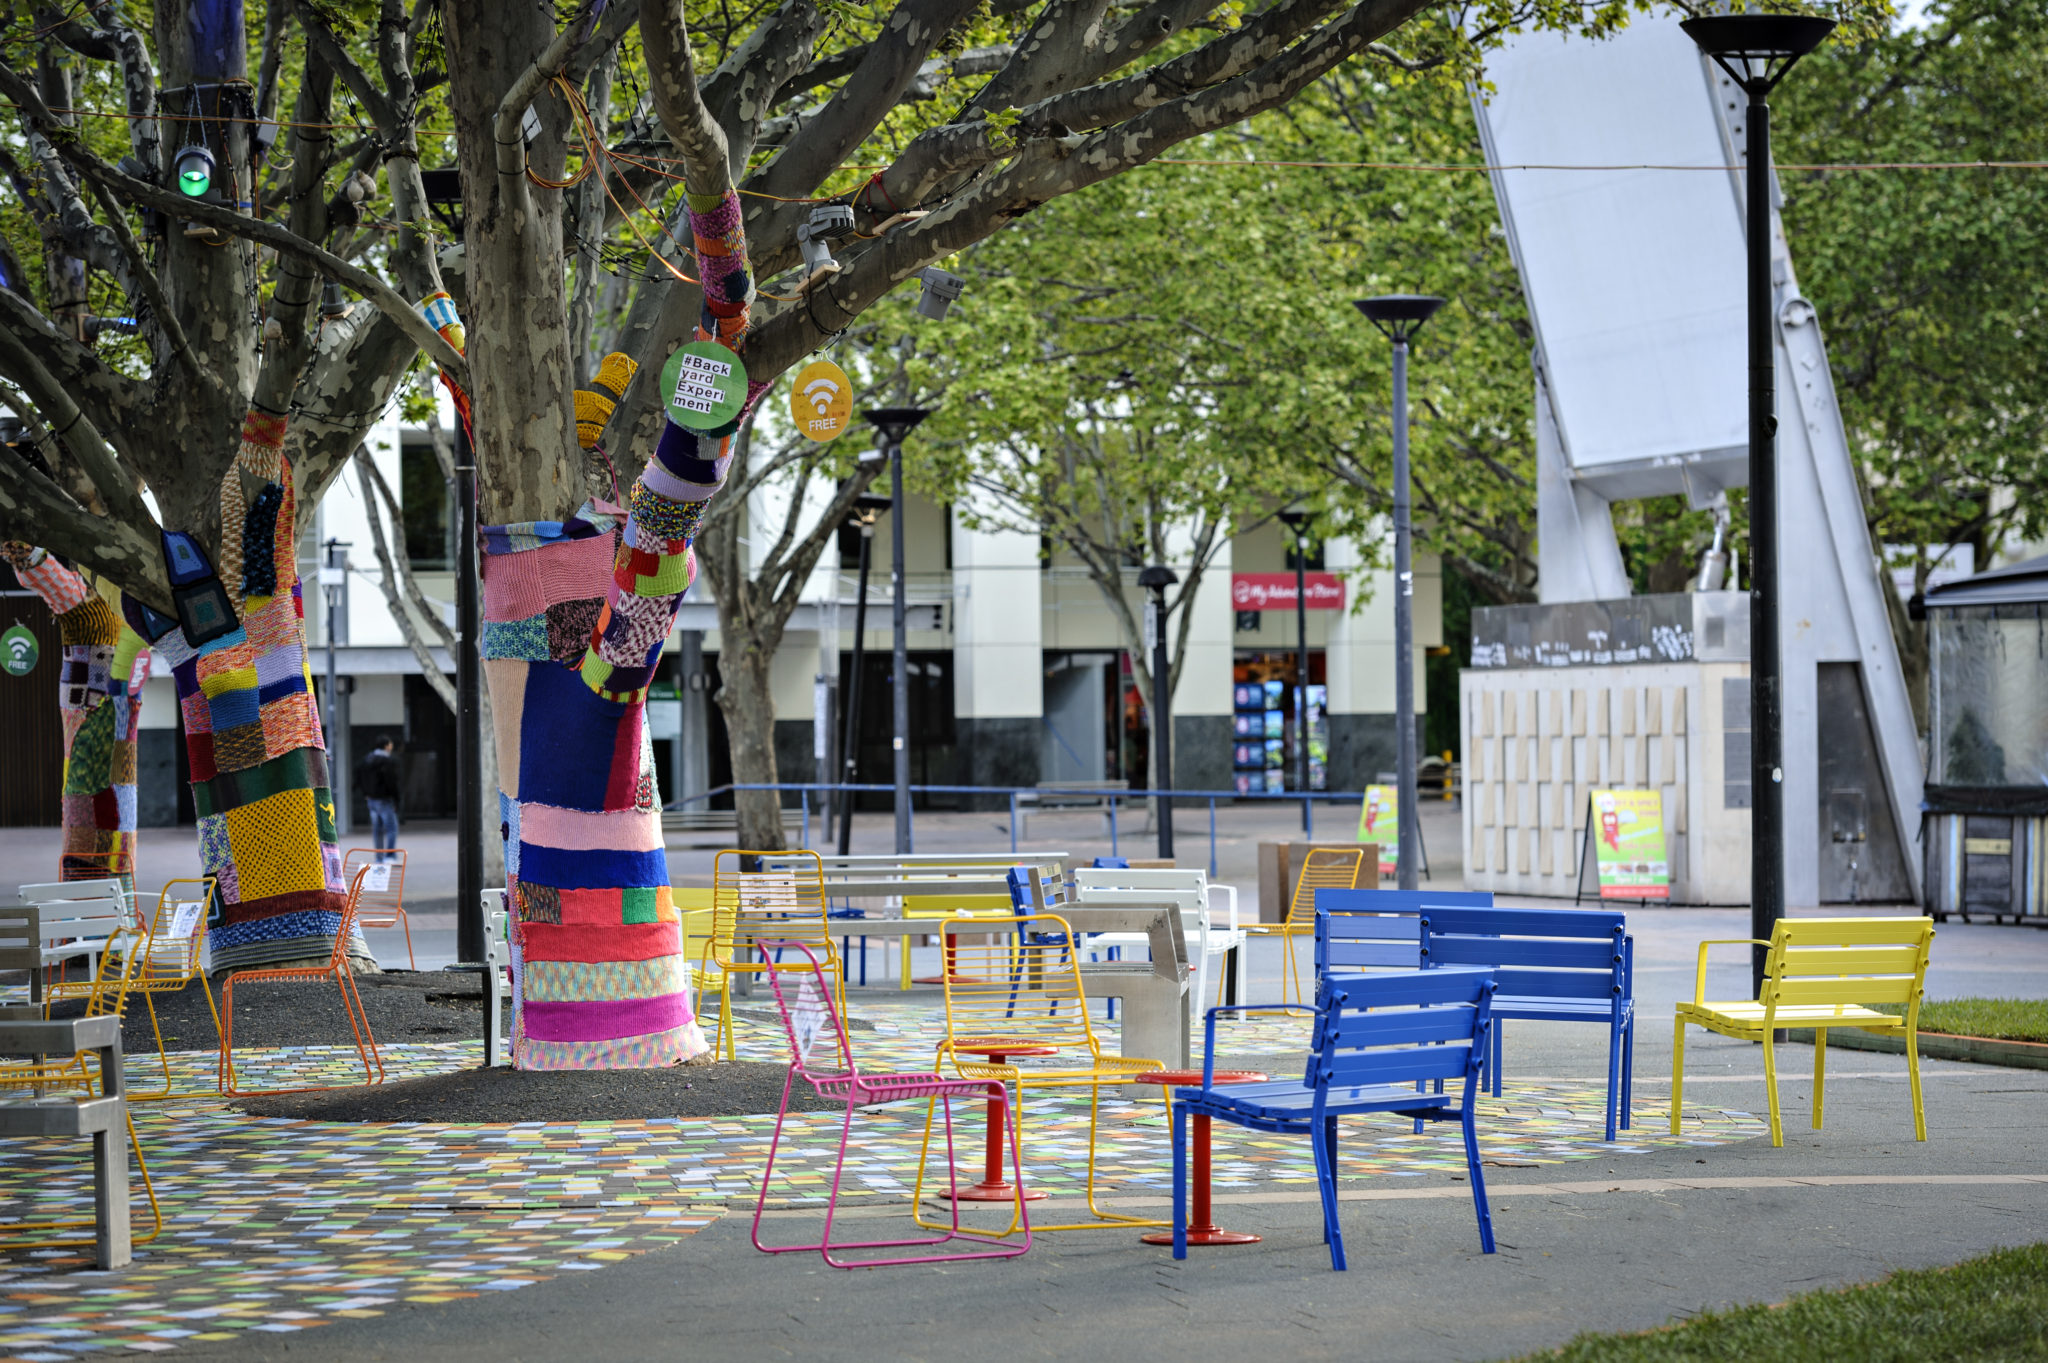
1378	1041
1552	965
1379	929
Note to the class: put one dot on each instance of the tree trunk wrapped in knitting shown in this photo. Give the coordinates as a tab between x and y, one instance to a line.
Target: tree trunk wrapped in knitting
575	616
259	763
99	692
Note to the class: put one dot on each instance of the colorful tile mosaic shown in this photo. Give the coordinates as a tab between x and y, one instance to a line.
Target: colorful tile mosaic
279	1226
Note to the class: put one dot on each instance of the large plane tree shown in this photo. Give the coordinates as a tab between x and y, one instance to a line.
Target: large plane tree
250	194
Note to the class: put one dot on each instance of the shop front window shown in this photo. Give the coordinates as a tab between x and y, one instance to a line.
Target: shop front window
1275	708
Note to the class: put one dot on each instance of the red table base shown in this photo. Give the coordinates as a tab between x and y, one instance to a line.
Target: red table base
992	1188
1201	1229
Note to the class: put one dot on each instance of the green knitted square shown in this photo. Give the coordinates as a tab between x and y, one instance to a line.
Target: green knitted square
637	905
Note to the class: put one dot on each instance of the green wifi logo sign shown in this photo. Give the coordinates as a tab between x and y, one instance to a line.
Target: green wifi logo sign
18	651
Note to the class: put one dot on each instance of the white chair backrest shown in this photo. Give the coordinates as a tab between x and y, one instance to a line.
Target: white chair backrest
1142	878
1193	905
73	918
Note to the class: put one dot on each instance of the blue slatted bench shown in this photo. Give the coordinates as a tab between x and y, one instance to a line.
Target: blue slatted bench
1379	929
1552	965
1378	1040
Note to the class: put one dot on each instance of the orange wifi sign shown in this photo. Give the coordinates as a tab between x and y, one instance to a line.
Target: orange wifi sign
821	402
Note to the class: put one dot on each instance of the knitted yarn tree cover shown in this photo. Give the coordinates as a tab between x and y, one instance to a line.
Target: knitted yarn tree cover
252	731
99	694
575	614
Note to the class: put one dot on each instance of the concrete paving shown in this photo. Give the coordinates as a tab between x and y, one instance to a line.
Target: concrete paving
1626	1243
1623	1244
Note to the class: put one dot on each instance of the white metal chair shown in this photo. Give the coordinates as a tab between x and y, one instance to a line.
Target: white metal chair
1190	889
78	916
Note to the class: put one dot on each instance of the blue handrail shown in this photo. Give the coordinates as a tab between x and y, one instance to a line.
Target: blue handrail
1308	801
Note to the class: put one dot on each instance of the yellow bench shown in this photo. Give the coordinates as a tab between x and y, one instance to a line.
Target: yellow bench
1821	973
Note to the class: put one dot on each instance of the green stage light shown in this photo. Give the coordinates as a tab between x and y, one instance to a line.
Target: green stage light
195	171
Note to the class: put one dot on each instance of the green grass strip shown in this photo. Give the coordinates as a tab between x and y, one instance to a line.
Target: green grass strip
1998	1019
1986	1310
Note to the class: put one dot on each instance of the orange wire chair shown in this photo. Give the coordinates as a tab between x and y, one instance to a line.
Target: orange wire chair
383	903
336	969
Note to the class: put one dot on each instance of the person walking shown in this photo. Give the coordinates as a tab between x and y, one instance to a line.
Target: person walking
378	780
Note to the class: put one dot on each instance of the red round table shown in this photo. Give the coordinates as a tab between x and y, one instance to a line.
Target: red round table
992	1188
1201	1230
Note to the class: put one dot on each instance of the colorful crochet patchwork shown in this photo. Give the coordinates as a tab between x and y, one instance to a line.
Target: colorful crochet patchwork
99	696
600	977
252	732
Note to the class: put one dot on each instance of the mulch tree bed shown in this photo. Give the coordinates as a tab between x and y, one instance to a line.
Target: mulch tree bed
726	1089
430	1006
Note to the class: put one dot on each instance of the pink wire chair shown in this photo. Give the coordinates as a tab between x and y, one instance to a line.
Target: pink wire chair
810	1016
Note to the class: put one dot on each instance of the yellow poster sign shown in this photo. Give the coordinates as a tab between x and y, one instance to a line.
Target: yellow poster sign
821	400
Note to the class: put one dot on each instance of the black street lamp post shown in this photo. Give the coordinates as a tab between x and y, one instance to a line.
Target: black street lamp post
892	424
866	508
1400	316
1156	579
1297	522
443	189
1757	50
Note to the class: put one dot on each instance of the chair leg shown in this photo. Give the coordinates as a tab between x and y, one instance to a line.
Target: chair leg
1913	1074
1677	1071
1180	1181
225	1078
1319	1136
1771	1086
1628	1070
411	961
768	1171
1613	1079
1500	1032
1820	1070
1476	1175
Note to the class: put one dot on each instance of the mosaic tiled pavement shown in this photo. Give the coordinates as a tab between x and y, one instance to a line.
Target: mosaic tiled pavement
276	1225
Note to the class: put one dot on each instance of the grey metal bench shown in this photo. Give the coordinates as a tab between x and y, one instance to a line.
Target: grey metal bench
104	1117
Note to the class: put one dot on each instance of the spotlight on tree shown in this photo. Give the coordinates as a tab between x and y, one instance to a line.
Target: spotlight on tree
195	171
941	288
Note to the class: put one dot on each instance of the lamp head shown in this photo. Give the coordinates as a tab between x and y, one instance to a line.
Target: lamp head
1294	519
1399	315
1158	577
194	168
1756	50
893	423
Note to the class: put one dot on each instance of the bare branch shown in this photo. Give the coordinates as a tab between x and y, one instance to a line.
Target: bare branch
672	74
144	281
393	565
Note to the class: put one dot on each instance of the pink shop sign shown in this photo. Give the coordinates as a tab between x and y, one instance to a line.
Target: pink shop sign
1275	591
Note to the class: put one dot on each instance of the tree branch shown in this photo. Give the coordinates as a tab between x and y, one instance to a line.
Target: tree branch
152	291
374	290
672	75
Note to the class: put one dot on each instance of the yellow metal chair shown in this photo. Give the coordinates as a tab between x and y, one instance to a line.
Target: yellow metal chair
694	905
1324	869
163	958
938	908
785	903
1021	995
1821	973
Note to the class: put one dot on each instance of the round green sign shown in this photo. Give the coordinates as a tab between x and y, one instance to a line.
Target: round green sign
18	651
704	385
